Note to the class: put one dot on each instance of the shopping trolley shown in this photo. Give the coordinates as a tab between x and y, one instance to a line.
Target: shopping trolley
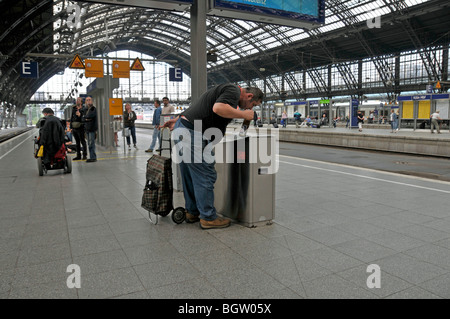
158	192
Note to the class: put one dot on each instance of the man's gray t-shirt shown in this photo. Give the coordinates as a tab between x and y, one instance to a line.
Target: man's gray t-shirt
203	109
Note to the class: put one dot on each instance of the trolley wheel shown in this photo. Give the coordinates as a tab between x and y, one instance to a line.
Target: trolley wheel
179	215
68	165
40	166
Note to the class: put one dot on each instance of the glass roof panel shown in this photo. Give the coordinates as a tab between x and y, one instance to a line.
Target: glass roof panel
226	36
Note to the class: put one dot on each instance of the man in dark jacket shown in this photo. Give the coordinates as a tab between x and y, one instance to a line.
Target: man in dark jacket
77	126
91	127
51	135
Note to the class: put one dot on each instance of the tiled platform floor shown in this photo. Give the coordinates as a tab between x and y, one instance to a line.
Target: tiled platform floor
331	222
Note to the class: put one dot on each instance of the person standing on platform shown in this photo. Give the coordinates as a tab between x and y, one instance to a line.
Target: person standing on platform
76	123
393	120
298	120
117	127
167	109
129	117
397	121
360	120
213	110
435	118
91	127
156	129
324	119
284	118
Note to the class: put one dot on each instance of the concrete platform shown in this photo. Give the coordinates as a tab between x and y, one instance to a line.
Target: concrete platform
326	233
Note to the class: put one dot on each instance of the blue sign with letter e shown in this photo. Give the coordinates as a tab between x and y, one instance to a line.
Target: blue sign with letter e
29	69
175	75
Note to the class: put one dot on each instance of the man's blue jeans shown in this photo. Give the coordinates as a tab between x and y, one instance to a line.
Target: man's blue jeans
156	136
91	145
198	177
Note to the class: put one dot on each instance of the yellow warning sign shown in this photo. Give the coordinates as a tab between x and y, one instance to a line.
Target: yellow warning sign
121	69
76	63
438	85
115	106
94	68
137	65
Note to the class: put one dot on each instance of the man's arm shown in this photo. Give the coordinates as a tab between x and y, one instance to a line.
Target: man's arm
229	112
171	123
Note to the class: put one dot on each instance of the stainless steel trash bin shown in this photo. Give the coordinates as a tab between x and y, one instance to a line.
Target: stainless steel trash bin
245	186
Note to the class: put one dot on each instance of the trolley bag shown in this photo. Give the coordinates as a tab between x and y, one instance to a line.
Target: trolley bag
158	191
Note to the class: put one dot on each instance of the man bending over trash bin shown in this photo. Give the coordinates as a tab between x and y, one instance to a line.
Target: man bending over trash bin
214	109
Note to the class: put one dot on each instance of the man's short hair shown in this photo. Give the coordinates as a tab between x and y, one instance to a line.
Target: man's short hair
48	110
158	102
258	95
165	98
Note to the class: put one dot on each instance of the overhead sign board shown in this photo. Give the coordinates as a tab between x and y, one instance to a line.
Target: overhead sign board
421	97
295	103
29	69
115	106
76	63
177	5
137	65
175	75
94	68
295	13
121	69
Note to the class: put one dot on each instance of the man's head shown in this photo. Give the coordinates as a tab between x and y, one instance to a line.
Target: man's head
47	111
89	101
165	100
79	101
157	103
250	97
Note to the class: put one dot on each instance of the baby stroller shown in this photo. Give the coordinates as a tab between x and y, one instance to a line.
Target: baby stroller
158	192
59	161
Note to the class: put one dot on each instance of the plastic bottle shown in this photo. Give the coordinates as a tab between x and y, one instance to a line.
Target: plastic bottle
244	128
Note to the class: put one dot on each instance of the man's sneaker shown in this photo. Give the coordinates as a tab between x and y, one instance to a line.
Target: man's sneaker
149	150
219	222
135	146
190	219
77	158
91	160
